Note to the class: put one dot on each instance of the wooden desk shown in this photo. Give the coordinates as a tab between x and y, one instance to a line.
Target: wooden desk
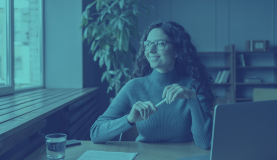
146	151
24	115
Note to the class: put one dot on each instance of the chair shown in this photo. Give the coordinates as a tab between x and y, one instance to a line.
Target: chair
264	94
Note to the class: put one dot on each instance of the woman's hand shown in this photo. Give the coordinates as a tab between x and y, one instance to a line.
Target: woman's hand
140	111
176	91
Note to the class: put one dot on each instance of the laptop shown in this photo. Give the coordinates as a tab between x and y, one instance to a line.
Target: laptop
243	131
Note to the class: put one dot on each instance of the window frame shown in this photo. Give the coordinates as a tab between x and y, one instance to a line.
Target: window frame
10	49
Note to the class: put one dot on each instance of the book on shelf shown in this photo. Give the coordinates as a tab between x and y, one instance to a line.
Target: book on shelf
242	60
257	45
217	77
221	76
238	62
252	79
224	76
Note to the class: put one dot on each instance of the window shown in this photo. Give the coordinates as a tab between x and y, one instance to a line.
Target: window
21	45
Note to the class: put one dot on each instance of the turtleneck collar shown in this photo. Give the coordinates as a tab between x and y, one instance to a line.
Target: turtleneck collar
167	78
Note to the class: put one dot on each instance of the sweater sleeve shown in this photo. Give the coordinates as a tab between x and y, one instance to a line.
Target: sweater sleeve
202	121
114	119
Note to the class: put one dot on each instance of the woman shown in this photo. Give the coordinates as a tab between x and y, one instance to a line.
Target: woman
166	67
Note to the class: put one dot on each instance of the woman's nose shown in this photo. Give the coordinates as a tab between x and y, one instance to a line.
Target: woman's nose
152	48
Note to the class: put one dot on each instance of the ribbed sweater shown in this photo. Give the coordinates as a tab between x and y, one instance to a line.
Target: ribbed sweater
183	120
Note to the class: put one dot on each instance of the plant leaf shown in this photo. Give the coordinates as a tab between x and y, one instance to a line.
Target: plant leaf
111	72
97	6
86	22
103	76
125	41
135	9
106	47
85	14
108	62
120	24
108	77
109	88
86	32
121	3
101	61
94	30
120	40
90	5
126	20
114	24
94	45
124	71
109	10
117	81
115	2
115	46
95	55
105	4
118	35
115	12
119	74
103	14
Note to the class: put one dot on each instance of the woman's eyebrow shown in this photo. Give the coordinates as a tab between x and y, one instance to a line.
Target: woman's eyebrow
156	40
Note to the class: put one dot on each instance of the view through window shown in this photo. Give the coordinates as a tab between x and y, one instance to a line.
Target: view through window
3	53
27	44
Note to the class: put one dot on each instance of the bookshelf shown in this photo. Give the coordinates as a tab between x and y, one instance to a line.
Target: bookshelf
219	61
260	64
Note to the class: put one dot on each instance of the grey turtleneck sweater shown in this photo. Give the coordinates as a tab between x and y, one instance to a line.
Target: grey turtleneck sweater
181	121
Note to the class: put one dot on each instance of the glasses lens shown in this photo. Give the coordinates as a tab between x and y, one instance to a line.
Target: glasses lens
158	44
146	45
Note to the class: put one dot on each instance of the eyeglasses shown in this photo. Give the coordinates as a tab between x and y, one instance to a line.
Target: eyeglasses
159	45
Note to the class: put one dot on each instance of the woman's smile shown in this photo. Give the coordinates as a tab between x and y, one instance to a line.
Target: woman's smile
154	58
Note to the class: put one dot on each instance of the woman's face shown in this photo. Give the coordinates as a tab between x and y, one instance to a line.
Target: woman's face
166	57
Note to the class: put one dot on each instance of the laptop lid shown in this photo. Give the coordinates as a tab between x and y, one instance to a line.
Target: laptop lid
244	131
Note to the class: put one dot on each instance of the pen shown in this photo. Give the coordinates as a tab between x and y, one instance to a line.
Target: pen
164	100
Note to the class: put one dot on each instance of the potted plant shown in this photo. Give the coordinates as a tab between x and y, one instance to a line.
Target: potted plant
108	32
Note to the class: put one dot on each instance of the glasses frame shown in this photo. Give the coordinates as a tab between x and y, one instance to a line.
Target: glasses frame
155	44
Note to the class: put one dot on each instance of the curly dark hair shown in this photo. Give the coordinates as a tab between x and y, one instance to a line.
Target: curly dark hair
187	63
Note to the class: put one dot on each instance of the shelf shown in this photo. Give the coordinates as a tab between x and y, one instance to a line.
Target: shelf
258	52
244	99
213	52
208	67
257	67
261	84
221	84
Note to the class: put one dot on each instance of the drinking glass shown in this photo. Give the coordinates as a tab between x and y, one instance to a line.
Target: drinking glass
55	146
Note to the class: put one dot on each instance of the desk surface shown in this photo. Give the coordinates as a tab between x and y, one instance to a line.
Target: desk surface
146	151
20	111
